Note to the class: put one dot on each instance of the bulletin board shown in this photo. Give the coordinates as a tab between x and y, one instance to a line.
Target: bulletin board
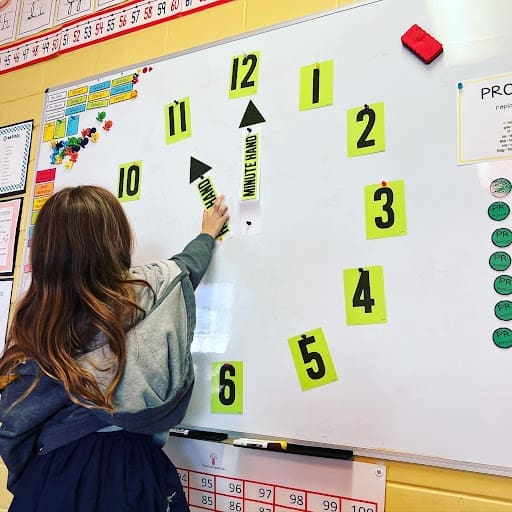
351	300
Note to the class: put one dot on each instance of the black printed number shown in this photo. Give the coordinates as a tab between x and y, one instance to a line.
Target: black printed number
182	119
362	296
207	500
363	141
246	82
310	357
129	182
387	193
330	506
296	499
227	389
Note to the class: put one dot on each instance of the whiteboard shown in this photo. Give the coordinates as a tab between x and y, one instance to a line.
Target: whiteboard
425	379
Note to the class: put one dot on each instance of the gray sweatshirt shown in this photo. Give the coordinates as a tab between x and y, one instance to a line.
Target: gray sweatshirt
157	381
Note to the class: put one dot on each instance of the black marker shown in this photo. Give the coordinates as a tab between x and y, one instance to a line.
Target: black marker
203	435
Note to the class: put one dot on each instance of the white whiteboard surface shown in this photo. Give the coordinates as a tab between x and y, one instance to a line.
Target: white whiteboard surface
221	477
428	382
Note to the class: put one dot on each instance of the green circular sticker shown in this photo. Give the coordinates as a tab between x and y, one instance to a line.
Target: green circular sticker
498	210
500	261
502	337
503	285
502	237
503	310
500	187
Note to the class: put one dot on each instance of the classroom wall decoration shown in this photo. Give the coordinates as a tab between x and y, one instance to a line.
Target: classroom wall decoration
61	26
15	141
359	296
5	306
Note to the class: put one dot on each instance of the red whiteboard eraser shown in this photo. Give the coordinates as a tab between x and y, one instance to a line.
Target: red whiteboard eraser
422	44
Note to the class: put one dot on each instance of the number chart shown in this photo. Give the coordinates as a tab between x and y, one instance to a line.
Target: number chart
351	300
222	478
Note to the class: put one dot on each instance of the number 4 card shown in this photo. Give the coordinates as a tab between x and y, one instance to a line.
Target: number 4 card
365	300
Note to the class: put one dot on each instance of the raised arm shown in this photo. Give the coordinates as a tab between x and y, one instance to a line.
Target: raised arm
196	256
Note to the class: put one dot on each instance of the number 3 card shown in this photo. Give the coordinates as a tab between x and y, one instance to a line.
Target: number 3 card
385	209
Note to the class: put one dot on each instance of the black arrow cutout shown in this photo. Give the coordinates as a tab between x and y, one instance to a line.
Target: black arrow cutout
197	169
251	116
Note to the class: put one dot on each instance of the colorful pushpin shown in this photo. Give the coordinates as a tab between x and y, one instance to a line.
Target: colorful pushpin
68	164
107	125
84	142
101	116
95	136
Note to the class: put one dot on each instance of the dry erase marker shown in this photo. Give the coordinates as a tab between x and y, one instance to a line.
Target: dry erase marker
203	435
260	443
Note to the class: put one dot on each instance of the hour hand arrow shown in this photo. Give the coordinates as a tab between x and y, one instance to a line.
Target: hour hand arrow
197	169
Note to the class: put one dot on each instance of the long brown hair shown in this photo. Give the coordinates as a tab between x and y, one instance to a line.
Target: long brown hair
80	255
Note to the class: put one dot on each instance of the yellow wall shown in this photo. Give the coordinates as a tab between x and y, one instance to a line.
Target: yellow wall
410	488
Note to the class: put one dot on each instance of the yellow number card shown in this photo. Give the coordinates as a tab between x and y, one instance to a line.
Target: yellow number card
385	209
312	359
130	181
227	389
366	130
244	75
316	85
178	125
365	301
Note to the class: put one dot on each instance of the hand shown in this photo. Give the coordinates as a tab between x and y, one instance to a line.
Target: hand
215	217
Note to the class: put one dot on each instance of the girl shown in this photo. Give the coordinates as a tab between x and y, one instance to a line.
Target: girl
98	366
